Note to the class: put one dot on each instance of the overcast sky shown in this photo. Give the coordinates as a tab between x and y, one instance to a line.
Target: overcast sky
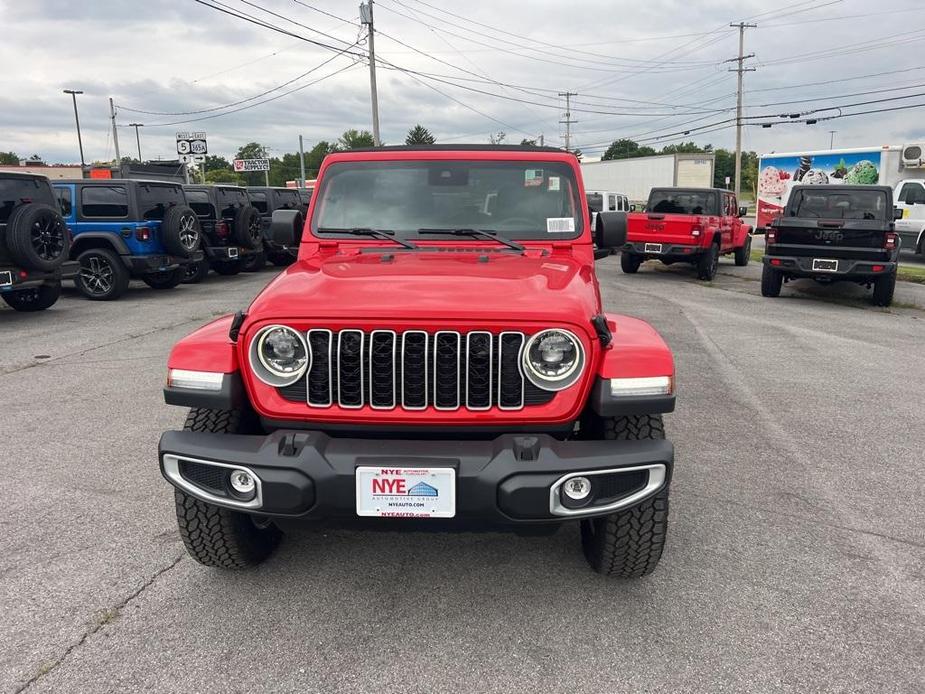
640	71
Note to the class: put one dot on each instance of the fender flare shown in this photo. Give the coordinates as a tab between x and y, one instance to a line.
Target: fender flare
208	349
113	240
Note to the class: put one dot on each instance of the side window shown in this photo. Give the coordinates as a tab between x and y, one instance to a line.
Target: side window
104	201
64	200
611	202
912	194
259	200
199	202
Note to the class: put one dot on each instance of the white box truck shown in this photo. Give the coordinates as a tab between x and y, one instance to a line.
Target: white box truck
900	167
636	177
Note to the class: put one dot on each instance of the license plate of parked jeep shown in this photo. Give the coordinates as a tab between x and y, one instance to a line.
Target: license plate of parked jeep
825	265
401	492
6	279
653	248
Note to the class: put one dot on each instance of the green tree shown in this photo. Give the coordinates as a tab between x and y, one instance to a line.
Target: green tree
355	139
497	138
419	135
214	161
626	149
316	155
226	175
9	158
686	148
528	143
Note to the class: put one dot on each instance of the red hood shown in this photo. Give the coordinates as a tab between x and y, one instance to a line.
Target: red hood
433	285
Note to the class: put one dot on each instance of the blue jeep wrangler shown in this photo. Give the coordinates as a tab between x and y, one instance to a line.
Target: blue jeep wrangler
123	229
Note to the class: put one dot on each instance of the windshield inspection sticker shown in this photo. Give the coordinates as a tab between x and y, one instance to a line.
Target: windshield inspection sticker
533	177
560	225
553	183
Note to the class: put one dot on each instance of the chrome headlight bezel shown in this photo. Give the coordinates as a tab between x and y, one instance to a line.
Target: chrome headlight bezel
265	372
563	381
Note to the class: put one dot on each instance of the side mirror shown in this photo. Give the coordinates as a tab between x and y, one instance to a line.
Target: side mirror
610	230
743	211
286	228
897	214
632	208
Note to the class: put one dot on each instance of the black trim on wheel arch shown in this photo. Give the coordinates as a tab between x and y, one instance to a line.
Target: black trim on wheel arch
229	397
606	405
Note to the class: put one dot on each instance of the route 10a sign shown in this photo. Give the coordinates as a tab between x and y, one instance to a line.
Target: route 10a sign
192	143
245	165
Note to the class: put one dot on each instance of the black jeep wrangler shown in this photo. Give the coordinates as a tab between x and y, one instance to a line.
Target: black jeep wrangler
836	233
270	200
232	233
34	243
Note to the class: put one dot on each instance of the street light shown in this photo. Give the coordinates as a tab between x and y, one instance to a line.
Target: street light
137	137
74	93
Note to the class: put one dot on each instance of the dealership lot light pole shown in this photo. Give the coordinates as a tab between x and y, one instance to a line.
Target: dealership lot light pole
137	137
74	93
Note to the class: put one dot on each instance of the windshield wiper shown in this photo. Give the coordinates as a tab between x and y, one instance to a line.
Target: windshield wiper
476	233
386	234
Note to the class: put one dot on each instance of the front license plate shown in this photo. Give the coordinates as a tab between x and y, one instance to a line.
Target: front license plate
6	279
825	265
399	492
653	248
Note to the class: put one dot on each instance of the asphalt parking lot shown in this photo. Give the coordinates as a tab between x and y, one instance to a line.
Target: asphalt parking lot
796	556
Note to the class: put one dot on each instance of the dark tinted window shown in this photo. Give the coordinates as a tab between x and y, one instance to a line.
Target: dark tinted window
64	200
912	194
17	191
104	201
611	202
288	199
683	202
199	201
153	200
230	200
595	201
258	200
831	204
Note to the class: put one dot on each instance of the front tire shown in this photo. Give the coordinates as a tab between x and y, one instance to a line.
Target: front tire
630	262
743	254
34	299
630	542
215	535
771	281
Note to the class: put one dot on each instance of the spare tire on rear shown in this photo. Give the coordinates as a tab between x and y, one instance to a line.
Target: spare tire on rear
37	237
248	230
180	231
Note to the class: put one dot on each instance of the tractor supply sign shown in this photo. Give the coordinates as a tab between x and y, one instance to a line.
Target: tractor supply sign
192	144
245	165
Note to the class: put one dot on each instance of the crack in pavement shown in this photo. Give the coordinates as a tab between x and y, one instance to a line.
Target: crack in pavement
108	615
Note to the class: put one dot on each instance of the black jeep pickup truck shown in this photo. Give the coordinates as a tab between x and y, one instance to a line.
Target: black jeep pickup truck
837	233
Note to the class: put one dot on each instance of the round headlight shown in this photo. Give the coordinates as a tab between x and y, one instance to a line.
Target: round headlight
279	355
553	359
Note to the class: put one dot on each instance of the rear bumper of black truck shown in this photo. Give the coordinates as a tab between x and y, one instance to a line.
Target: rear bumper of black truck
829	265
15	278
512	480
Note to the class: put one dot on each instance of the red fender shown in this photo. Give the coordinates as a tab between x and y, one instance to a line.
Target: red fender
636	351
207	349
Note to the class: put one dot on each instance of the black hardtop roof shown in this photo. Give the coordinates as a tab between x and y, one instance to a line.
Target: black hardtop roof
458	148
691	189
114	181
212	186
22	174
268	188
841	188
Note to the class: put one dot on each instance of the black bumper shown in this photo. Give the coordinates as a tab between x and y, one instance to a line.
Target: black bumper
847	268
147	264
509	480
15	278
224	254
673	250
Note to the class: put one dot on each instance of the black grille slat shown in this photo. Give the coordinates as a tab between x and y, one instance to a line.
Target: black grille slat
414	370
382	369
479	356
319	376
350	368
446	357
510	380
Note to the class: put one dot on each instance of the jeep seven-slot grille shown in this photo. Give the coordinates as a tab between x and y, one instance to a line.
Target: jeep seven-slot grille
413	370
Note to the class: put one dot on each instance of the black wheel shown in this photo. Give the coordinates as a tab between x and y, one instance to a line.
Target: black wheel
37	237
165	280
744	254
247	228
214	535
630	262
628	543
707	263
883	289
281	259
254	262
194	273
34	299
180	231
771	281
227	267
102	275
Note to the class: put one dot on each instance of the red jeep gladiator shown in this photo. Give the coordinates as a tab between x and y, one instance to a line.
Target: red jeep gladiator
691	225
437	357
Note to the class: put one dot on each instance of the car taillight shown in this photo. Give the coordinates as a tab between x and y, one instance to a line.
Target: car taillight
142	233
770	237
696	231
222	229
889	241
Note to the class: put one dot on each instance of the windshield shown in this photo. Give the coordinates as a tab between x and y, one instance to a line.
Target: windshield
519	200
831	204
682	202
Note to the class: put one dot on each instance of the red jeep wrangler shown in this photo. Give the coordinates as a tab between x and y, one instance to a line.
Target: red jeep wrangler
692	225
438	356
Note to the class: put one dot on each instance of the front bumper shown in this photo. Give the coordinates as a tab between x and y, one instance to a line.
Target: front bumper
802	266
147	264
667	249
510	480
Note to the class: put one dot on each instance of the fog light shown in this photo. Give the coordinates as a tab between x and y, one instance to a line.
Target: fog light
577	488
242	482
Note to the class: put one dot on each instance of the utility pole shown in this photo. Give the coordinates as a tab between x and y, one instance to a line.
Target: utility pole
366	17
568	118
832	139
741	70
542	140
301	163
115	136
137	137
74	93
266	174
